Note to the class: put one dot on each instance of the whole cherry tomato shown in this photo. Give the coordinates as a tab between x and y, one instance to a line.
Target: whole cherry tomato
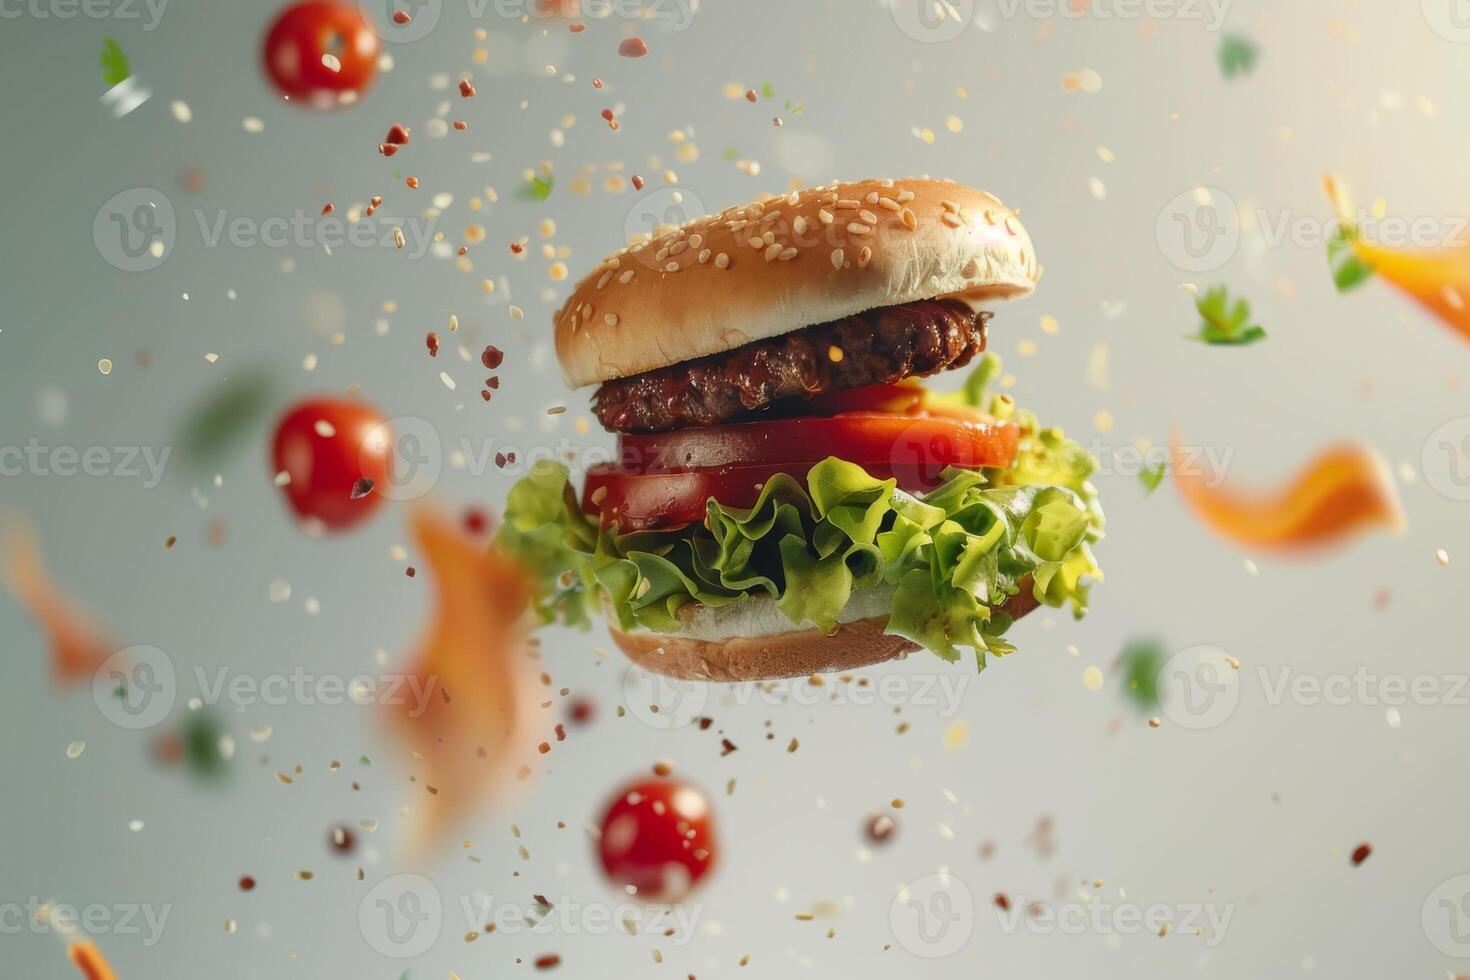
322	53
338	455
657	838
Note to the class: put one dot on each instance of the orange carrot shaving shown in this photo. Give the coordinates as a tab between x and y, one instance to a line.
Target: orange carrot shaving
78	646
1437	279
469	703
89	959
1343	490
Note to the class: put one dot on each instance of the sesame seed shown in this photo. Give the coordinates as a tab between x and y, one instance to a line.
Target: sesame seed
604	279
888	204
838	258
672	267
868	216
787	254
864	256
858	228
799	224
626	276
611	319
773	251
824	216
722	261
909	220
905	197
703	256
950	219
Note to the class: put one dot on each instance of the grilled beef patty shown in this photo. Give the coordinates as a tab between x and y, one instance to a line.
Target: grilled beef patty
879	346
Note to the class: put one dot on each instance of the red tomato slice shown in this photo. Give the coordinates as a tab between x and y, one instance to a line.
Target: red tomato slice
666	479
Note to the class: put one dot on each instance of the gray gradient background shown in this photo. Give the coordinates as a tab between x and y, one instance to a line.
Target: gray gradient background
1256	814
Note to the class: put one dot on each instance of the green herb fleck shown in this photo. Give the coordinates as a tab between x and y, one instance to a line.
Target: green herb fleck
1348	271
1141	662
537	188
115	67
1237	55
1225	323
1151	477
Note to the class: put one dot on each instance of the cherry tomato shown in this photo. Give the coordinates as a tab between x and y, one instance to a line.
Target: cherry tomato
657	838
322	53
665	479
338	456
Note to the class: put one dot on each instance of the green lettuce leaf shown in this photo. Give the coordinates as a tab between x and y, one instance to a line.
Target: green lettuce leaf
951	557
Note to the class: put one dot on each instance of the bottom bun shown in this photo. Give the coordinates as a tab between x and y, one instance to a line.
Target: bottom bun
798	653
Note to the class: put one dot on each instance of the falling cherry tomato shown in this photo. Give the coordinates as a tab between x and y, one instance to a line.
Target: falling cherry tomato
336	455
657	839
322	53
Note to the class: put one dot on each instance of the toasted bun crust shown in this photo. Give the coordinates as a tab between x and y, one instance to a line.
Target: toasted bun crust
799	653
783	263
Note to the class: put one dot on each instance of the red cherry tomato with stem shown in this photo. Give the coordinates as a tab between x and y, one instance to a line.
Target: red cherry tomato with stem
657	838
322	53
329	448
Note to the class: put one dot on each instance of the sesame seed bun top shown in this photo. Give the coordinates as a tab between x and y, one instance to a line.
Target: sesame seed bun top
783	263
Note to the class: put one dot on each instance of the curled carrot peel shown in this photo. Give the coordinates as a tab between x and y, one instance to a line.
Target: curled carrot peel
78	646
89	959
466	707
1437	279
1342	491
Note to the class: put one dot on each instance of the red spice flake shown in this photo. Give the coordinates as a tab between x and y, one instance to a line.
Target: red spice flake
397	134
493	382
461	125
401	17
607	114
432	342
544	748
492	357
463	250
637	182
576	28
413	183
410	571
376	201
327	208
172	540
466	88
633	47
517	248
561	732
1002	902
581	711
476	521
548	962
247	883
750	95
484	395
880	828
362	488
726	747
597	83
387	149
1361	852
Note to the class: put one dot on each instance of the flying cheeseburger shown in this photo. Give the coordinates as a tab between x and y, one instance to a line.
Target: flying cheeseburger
786	499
